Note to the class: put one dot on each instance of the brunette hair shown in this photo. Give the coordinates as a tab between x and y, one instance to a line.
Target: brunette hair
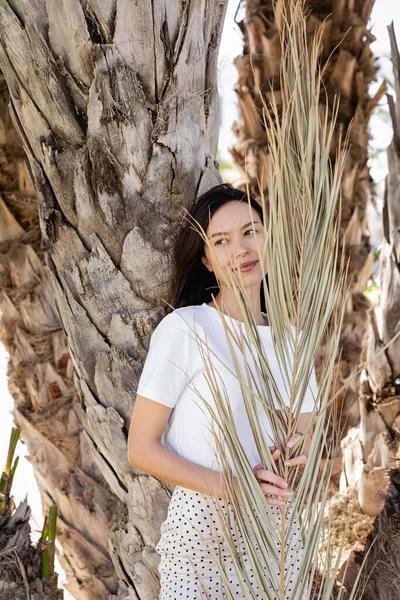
193	283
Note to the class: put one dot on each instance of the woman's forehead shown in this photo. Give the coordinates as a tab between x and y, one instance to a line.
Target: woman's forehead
231	216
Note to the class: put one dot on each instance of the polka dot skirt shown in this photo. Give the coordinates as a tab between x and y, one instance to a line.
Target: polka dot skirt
191	534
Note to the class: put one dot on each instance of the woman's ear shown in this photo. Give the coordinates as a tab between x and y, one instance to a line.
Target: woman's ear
206	263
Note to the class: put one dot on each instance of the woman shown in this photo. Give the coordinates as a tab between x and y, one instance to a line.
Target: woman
170	434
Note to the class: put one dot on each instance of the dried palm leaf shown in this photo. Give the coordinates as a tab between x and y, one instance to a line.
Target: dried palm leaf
305	297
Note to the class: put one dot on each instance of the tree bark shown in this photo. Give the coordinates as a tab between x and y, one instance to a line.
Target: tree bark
380	578
373	448
349	67
40	381
117	106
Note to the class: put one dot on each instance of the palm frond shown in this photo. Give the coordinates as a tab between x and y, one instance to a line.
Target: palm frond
305	299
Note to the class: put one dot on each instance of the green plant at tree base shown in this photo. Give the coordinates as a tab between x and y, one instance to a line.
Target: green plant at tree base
8	474
15	542
47	546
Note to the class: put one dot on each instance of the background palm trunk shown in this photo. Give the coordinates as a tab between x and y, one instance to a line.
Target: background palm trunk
373	447
380	579
40	381
349	71
117	106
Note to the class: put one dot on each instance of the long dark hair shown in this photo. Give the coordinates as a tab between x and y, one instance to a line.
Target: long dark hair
193	283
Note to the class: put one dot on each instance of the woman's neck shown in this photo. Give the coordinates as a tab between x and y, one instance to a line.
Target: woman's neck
228	305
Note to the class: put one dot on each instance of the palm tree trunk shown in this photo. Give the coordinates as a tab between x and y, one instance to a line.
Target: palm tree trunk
349	68
380	573
117	106
40	381
373	448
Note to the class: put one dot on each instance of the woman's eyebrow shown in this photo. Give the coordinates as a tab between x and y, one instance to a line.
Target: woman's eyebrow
225	232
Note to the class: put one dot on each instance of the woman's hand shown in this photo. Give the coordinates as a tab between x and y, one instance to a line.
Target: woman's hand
273	486
277	493
296	461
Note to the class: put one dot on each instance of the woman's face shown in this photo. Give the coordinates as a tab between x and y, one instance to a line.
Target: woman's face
236	236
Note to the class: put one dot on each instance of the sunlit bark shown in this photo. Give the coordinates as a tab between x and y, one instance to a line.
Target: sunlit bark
117	106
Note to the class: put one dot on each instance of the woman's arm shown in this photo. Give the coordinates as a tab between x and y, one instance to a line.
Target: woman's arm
146	452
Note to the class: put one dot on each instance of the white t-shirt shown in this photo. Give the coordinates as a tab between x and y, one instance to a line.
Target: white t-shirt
174	371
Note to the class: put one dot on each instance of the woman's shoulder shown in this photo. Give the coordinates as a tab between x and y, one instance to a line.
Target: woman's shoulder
184	318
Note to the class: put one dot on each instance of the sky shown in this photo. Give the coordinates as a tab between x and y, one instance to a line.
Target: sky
231	45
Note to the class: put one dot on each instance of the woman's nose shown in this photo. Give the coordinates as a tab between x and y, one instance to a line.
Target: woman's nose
241	249
241	252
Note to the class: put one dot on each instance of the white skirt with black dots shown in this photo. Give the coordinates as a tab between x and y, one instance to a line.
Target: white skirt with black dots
189	535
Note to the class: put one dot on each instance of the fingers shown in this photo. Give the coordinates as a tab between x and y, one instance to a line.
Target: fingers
271	490
276	501
296	461
273	486
294	439
275	453
264	475
257	468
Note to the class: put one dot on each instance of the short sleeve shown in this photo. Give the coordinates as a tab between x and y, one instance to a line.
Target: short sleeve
164	374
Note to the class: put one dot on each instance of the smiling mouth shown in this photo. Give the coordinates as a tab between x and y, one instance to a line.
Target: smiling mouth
248	266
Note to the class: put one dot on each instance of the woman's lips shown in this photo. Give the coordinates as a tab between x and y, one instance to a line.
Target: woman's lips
249	266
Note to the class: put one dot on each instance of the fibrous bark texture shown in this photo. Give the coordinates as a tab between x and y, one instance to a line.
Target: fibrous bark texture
40	380
373	448
348	68
117	106
380	575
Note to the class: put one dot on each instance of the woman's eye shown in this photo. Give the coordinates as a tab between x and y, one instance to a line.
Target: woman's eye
221	241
